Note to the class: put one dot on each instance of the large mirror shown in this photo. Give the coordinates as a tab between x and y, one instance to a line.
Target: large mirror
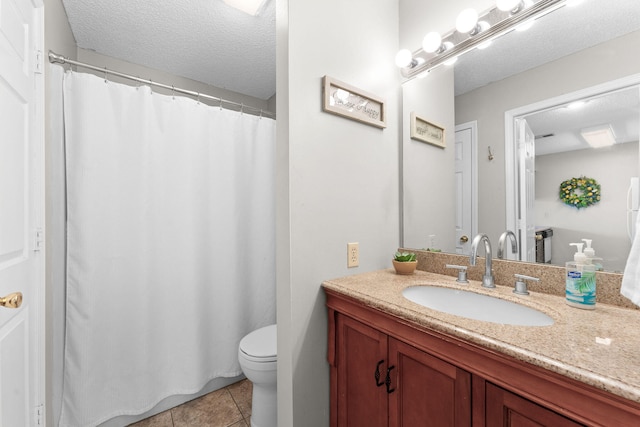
588	51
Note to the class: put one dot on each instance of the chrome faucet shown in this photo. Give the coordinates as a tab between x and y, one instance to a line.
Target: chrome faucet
487	279
503	240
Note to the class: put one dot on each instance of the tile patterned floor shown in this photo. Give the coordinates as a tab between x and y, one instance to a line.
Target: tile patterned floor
227	407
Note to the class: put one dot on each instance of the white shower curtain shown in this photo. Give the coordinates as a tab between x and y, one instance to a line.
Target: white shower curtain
170	244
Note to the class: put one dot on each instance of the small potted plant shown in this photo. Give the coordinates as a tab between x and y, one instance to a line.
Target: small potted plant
404	262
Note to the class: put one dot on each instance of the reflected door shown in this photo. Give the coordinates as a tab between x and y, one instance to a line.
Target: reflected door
466	204
527	189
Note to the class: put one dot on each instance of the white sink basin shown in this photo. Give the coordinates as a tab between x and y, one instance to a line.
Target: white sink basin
476	306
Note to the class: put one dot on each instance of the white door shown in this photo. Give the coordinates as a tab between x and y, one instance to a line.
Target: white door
21	213
466	196
527	189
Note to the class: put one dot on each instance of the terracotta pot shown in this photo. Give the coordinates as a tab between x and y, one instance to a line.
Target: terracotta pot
407	267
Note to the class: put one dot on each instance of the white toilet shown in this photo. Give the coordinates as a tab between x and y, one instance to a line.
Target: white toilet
258	358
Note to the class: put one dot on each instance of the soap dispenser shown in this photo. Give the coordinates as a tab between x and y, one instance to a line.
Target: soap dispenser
590	253
580	280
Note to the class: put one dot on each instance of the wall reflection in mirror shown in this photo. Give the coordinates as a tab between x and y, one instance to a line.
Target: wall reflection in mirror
571	53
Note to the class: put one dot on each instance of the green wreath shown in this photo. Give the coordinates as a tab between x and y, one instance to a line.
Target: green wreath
580	192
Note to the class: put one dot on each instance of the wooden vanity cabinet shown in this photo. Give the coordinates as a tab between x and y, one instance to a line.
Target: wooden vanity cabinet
362	351
427	378
507	409
383	381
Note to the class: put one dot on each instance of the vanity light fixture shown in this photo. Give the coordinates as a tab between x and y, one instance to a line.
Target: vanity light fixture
467	22
472	32
252	7
432	43
484	26
404	58
599	136
453	60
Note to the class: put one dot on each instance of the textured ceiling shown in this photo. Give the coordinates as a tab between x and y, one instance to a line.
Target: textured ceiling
558	129
208	41
560	33
204	40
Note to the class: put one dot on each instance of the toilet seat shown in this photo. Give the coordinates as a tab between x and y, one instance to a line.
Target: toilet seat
260	345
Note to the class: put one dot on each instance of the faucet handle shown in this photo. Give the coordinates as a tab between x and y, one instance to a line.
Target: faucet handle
462	272
521	285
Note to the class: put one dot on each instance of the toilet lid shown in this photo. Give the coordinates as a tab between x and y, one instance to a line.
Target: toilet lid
261	343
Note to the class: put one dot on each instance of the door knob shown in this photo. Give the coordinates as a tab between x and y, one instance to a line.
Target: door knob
13	300
464	239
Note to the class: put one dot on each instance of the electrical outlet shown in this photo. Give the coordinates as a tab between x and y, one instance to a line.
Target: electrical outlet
353	255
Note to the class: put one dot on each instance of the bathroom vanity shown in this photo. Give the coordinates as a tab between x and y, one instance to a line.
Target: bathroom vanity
394	362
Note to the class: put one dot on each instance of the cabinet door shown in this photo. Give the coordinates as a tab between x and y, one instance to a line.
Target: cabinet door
427	391
507	409
361	352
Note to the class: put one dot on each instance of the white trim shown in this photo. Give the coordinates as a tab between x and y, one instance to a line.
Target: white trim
510	152
473	127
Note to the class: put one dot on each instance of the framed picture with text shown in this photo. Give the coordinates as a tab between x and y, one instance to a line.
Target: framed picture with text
345	100
424	131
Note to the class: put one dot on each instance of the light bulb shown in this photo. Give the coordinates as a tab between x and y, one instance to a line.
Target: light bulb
431	42
404	58
467	20
507	5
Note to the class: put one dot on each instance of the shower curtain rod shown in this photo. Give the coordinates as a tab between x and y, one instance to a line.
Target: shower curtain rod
54	58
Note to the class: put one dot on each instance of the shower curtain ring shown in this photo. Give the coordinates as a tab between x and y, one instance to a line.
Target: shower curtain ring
261	113
173	92
241	108
105	75
198	98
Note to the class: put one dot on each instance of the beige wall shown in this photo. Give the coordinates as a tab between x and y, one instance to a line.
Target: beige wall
337	182
608	61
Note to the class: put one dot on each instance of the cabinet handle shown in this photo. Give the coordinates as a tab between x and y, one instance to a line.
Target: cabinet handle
387	381
377	374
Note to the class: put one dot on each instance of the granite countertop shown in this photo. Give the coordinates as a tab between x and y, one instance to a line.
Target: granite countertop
599	347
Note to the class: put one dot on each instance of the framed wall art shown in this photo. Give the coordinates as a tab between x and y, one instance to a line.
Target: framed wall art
345	100
424	131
